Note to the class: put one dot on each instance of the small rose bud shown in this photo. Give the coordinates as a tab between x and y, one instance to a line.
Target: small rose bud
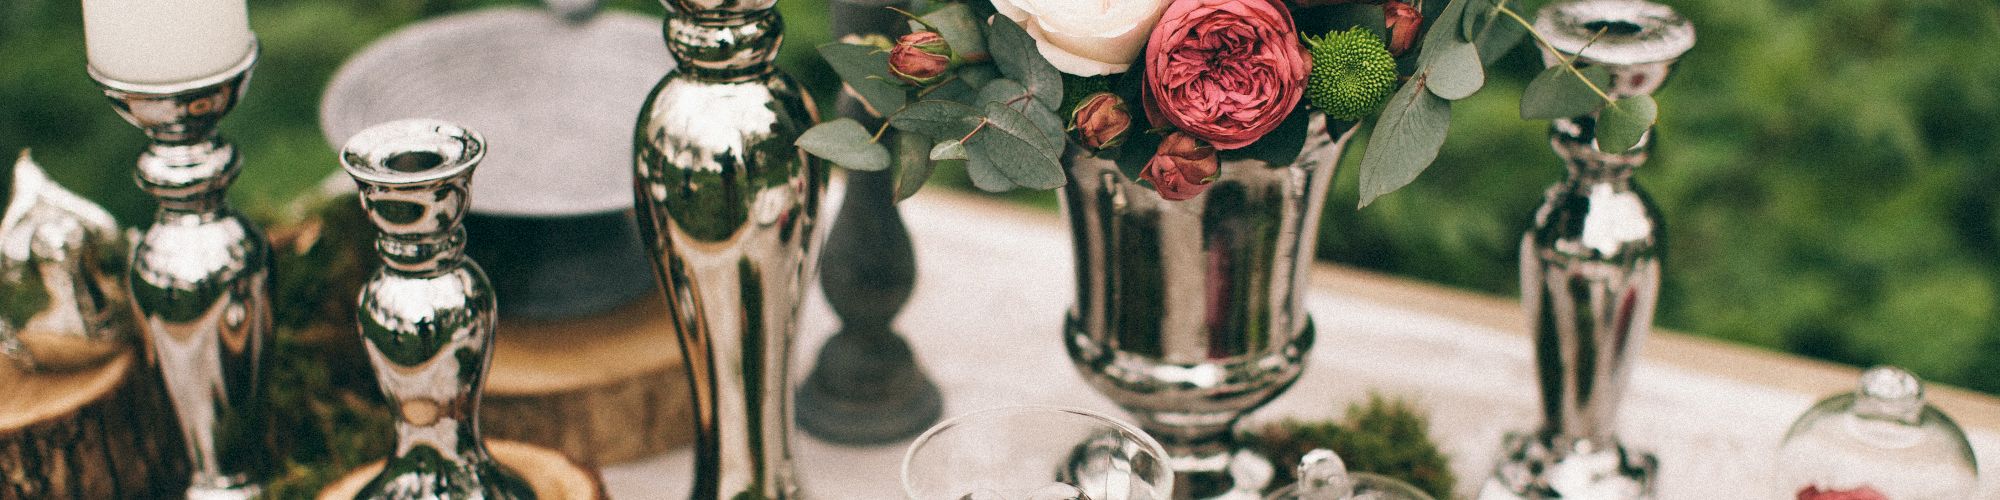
1404	23
920	58
1101	120
1180	169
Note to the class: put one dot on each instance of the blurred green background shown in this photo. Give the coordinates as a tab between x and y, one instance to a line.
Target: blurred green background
1830	169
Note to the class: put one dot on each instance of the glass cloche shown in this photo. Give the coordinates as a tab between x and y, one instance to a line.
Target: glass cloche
1323	476
1880	442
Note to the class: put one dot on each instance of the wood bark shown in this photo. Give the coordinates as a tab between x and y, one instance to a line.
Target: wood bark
100	432
603	390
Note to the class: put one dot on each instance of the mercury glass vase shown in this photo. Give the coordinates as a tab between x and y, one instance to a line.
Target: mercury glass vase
1189	314
1591	267
728	207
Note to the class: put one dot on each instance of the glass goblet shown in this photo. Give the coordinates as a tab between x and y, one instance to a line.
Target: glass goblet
1036	453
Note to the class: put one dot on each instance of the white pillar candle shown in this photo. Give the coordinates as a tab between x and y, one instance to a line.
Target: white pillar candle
164	41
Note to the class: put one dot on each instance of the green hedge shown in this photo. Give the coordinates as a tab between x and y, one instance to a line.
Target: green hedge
1830	169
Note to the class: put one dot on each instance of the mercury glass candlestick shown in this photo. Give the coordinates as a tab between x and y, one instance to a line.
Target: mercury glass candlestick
427	314
728	207
1590	267
200	277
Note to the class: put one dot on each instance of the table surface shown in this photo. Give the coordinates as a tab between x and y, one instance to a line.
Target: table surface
995	279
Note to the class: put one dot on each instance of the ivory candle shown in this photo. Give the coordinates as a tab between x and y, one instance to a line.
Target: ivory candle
164	41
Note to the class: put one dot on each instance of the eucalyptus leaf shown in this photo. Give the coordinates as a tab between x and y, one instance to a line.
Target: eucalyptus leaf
913	163
977	75
1015	53
960	29
1449	17
1013	94
1499	38
1005	118
1621	127
1453	70
846	143
954	90
1405	141
865	69
937	119
949	149
1555	93
1477	16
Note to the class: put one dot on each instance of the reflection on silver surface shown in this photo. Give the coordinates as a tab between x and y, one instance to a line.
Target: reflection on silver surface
728	207
1590	270
200	279
1188	313
427	315
62	275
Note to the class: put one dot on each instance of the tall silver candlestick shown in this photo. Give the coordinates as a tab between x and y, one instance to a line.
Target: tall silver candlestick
1590	266
200	278
728	206
427	314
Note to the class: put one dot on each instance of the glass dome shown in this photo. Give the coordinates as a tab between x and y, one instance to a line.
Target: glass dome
1323	476
1880	442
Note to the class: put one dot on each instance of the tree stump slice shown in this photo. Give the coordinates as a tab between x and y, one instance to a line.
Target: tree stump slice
550	474
604	389
99	432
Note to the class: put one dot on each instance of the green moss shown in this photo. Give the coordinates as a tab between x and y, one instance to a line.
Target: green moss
1384	436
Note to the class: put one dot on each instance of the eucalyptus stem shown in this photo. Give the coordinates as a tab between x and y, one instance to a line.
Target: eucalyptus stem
1568	63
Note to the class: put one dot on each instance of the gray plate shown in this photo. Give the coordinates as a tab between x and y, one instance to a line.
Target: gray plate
556	100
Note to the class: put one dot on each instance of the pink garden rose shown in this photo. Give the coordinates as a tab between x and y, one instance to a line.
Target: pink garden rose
1227	71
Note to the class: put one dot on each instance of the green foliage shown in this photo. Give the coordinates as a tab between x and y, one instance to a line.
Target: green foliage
846	143
1385	436
1557	93
1405	141
1352	74
1622	126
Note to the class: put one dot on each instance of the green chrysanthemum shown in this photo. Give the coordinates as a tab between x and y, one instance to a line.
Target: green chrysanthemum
1352	74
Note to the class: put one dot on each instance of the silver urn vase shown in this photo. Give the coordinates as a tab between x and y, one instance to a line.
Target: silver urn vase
1591	267
427	315
62	275
728	207
1188	313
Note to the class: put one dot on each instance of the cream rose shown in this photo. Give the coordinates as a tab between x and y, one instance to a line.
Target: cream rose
1086	37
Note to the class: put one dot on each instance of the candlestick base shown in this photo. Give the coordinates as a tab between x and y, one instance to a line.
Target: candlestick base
1570	469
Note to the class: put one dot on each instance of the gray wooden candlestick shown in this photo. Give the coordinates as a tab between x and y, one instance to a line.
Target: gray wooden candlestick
866	387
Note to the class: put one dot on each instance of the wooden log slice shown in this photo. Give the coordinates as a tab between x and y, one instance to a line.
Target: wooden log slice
604	389
550	474
99	432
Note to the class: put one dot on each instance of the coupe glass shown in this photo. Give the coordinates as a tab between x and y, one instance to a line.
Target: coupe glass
1036	453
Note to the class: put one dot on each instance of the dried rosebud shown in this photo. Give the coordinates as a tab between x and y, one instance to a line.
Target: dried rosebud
920	58
1101	120
1404	23
1182	166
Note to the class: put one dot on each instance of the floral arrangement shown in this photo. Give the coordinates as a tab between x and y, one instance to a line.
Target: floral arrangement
1170	89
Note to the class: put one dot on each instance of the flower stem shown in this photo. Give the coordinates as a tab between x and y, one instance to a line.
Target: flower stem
1567	62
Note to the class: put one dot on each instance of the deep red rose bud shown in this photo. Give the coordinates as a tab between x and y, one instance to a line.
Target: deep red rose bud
1861	493
1180	169
1404	23
920	58
1101	120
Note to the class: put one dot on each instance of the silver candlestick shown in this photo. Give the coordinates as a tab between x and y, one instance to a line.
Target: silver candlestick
1590	267
728	207
427	315
200	278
